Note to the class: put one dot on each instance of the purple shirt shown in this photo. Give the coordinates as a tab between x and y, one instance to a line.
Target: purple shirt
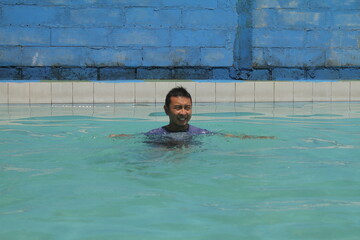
191	130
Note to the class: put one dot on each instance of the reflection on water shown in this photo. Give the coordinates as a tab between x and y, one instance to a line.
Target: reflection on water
35	172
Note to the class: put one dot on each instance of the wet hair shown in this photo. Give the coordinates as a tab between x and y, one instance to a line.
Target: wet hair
176	92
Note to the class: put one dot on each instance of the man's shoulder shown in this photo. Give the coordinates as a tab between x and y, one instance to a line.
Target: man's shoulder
195	130
157	131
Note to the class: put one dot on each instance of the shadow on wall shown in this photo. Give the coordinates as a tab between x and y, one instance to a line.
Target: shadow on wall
243	62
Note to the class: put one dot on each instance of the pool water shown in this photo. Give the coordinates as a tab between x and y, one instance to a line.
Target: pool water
63	178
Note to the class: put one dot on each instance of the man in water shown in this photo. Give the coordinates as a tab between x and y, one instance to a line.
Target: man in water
178	106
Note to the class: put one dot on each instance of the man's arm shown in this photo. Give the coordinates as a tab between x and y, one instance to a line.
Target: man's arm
244	136
119	135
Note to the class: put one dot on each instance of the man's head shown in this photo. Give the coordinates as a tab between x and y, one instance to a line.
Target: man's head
176	92
178	106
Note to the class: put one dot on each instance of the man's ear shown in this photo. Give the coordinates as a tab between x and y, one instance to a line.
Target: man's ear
166	109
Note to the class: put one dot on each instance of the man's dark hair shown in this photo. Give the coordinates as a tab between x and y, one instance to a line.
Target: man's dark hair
176	92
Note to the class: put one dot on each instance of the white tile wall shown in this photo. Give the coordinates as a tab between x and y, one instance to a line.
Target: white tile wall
205	92
4	92
303	91
61	92
355	91
83	92
151	92
19	92
225	92
284	92
125	92
245	92
322	91
340	91
145	92
40	92
104	92
264	91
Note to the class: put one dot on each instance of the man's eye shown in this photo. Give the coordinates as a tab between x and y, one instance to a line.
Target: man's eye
187	107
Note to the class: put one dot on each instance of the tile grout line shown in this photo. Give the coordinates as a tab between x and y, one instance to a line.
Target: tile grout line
234	93
8	93
29	94
195	92
114	92
331	92
254	92
51	90
254	88
312	92
216	92
72	93
156	86
273	92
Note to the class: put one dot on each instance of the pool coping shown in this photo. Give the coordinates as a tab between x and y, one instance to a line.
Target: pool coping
154	91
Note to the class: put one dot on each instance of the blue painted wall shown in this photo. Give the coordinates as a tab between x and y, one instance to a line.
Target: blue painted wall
117	33
306	33
248	39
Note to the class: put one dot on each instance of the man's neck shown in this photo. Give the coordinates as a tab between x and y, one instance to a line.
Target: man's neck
172	128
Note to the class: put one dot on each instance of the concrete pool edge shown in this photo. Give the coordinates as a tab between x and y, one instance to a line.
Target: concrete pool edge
152	91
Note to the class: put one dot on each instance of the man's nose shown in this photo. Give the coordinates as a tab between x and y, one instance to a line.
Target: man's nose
182	111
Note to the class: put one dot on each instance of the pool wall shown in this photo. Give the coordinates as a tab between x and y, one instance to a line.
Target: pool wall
183	39
110	92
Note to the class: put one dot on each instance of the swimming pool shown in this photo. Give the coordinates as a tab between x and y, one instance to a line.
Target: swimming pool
62	178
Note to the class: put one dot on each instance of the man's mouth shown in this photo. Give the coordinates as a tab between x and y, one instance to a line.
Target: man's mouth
182	118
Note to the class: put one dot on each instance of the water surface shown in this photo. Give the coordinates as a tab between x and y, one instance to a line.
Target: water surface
63	178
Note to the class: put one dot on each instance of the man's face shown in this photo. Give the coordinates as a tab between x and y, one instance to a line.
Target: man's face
179	112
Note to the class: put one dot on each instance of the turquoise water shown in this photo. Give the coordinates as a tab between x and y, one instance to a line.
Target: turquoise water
62	178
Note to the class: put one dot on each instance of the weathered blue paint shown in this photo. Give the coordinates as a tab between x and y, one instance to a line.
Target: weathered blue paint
243	40
306	34
10	73
288	73
240	39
